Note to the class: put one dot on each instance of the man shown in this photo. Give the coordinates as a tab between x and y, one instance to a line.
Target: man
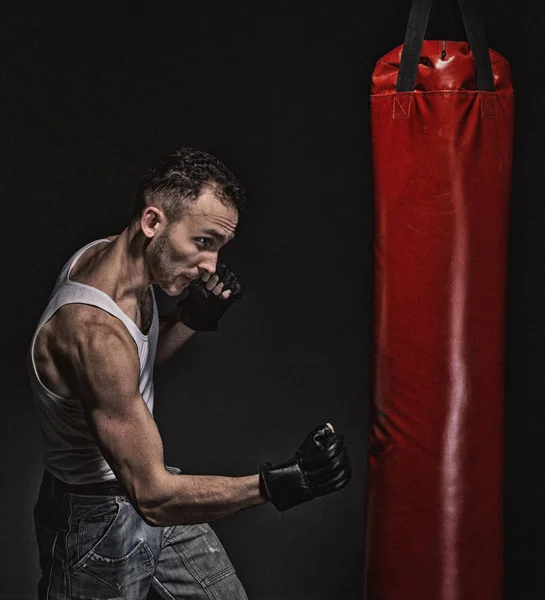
111	520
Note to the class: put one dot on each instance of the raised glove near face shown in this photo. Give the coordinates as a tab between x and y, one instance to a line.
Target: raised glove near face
201	309
319	467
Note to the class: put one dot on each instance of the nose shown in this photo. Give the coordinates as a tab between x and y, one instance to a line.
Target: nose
208	263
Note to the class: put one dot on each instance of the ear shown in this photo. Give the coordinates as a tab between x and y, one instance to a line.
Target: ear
152	220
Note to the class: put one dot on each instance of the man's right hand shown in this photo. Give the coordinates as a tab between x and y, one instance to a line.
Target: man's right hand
208	298
320	466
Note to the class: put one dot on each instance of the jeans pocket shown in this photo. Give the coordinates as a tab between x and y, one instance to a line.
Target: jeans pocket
93	523
111	549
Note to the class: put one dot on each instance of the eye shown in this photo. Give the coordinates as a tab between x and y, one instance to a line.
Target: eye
203	242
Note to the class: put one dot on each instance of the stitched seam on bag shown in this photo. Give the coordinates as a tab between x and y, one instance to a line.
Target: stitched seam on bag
399	111
444	93
489	107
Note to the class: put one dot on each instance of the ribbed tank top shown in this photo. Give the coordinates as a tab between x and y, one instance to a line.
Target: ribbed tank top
70	452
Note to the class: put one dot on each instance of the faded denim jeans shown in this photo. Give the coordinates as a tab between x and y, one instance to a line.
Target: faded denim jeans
98	548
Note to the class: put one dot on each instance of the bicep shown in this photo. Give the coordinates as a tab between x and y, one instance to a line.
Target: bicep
123	428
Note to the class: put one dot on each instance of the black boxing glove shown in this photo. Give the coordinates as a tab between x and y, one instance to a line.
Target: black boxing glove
320	466
201	310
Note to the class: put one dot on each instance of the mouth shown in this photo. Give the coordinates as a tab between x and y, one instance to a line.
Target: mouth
188	279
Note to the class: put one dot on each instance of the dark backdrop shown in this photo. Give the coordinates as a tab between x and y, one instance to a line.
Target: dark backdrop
94	93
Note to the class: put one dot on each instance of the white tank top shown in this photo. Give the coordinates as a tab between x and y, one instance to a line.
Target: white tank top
70	452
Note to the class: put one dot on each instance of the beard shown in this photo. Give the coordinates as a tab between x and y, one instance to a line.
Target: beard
163	270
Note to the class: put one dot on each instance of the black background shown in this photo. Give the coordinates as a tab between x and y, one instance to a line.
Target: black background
95	92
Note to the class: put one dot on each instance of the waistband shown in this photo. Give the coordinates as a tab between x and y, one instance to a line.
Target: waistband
101	488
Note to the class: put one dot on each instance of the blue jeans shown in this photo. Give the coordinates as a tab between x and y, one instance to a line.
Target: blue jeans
98	548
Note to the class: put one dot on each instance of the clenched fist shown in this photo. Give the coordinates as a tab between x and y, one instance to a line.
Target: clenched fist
208	299
320	466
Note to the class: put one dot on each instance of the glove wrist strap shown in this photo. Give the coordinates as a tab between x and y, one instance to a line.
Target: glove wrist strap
285	485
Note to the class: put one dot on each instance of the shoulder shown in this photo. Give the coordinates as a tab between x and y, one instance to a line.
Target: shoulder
83	348
103	357
87	338
84	324
94	331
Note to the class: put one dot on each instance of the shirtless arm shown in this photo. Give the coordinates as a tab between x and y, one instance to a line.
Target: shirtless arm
173	334
105	376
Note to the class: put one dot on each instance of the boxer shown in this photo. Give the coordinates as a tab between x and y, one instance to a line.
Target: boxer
111	520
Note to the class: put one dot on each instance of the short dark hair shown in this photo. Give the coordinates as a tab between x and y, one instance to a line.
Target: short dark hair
180	177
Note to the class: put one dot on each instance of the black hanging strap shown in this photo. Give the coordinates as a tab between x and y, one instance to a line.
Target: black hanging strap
478	44
414	36
412	46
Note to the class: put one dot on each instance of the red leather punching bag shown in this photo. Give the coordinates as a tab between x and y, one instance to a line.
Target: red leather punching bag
442	128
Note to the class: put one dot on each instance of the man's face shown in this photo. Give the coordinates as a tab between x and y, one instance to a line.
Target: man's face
184	250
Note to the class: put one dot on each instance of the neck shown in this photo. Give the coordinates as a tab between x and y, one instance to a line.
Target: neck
123	262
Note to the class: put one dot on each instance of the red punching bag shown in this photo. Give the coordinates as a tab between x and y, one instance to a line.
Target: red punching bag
442	128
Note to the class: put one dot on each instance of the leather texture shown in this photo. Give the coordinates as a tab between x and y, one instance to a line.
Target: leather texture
201	310
320	466
442	174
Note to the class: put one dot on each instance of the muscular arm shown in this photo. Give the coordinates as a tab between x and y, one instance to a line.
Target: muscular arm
106	372
173	334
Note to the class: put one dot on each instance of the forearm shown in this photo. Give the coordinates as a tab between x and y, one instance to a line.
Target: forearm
173	334
190	499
